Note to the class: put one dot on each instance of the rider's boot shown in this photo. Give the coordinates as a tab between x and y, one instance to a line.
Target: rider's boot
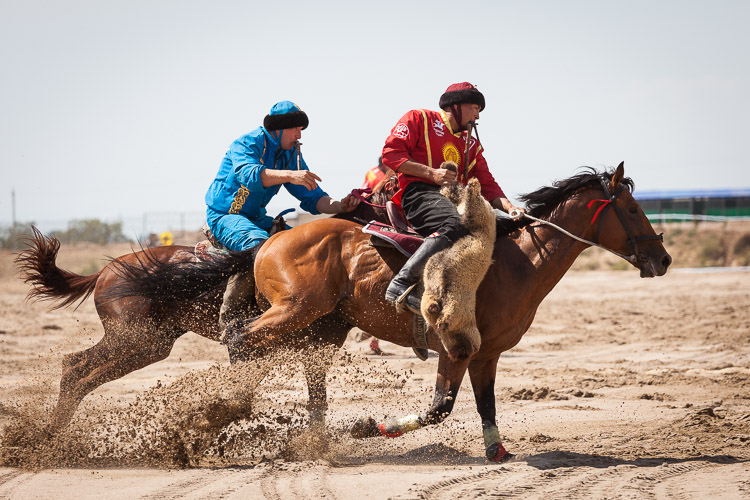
238	300
402	289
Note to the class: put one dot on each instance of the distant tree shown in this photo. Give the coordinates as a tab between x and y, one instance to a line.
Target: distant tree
12	236
93	231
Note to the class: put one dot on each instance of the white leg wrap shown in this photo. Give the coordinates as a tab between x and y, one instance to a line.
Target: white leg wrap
491	436
408	423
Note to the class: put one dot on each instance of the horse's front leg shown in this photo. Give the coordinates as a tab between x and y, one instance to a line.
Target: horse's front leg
449	379
482	375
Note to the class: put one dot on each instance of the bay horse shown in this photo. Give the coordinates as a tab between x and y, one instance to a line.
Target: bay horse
316	281
141	330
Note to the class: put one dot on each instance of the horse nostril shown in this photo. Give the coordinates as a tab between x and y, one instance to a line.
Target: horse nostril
666	261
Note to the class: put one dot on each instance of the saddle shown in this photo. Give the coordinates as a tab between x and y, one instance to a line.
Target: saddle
211	246
398	234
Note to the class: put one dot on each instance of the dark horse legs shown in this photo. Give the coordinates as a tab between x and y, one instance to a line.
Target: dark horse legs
450	375
482	375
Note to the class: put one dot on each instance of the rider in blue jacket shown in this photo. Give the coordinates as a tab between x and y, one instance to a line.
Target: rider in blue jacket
252	172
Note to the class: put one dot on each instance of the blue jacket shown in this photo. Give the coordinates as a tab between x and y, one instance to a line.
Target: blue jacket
237	188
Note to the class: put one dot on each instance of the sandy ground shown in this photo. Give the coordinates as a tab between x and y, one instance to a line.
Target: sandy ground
622	388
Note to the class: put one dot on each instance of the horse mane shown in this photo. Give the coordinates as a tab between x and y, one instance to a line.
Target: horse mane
385	189
544	200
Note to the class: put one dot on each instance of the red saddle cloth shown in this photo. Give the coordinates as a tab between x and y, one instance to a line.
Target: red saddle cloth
406	243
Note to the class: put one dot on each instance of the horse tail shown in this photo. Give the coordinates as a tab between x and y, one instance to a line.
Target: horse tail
168	281
49	282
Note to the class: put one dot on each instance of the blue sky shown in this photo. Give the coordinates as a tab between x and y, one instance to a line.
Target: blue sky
114	109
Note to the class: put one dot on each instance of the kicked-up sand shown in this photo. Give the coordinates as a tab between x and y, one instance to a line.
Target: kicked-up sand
622	388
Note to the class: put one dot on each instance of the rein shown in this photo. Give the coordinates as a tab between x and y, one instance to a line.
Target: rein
359	194
630	258
363	194
602	210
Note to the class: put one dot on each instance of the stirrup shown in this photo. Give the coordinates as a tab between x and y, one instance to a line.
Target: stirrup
421	353
403	305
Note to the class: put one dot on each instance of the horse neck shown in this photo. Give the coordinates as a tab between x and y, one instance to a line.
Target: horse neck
549	253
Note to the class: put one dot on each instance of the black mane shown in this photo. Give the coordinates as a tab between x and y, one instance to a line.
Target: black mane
545	199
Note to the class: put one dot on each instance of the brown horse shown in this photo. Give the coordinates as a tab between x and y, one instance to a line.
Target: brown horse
142	330
318	280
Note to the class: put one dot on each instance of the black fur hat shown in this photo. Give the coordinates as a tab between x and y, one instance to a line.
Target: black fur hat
460	93
285	114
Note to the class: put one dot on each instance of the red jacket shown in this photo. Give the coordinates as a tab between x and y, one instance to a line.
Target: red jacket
426	137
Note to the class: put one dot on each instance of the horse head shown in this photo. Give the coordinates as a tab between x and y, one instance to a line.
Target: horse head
626	230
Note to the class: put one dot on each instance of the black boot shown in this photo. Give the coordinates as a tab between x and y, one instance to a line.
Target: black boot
238	302
401	289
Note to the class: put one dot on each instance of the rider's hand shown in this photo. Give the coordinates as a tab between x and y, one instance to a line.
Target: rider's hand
442	176
348	204
516	213
304	178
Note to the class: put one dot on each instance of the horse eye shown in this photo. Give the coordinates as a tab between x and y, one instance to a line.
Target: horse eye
633	210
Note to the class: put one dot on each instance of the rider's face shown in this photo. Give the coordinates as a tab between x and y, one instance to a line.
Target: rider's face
469	113
289	136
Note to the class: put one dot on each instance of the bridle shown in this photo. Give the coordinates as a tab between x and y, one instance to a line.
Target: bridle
607	202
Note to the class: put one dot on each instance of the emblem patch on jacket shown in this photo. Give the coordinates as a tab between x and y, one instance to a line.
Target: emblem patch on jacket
401	131
451	153
239	200
438	127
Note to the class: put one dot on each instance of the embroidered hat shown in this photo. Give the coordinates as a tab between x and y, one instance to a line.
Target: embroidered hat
285	114
460	93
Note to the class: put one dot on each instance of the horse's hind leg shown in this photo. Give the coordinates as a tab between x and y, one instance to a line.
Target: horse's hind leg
119	352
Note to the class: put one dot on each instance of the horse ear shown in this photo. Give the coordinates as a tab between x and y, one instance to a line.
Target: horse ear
618	175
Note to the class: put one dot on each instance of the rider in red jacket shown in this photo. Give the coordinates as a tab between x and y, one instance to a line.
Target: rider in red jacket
419	143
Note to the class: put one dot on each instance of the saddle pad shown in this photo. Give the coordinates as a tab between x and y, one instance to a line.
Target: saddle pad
407	244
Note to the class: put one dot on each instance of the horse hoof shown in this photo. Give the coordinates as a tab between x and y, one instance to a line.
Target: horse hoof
497	453
365	428
239	351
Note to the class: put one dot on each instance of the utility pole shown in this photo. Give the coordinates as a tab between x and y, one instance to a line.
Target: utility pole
13	207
